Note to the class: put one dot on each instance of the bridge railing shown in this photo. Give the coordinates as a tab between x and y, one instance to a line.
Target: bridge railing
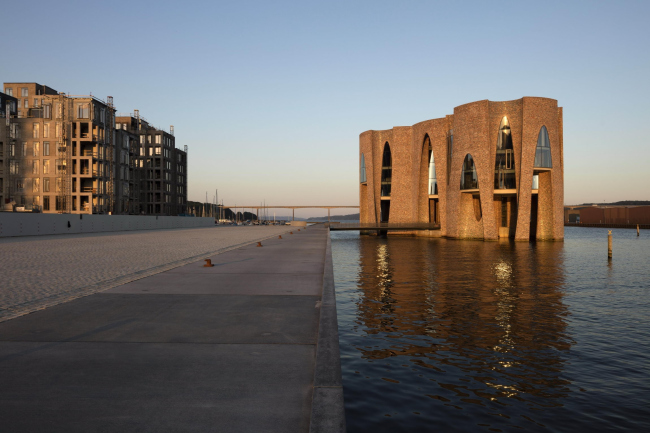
383	226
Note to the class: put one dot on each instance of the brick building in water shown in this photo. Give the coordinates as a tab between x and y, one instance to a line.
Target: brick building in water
63	154
490	170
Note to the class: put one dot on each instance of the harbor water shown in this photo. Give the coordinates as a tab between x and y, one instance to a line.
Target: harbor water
462	336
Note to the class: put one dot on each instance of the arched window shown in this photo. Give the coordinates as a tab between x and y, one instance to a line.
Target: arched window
543	151
433	183
468	178
386	171
504	165
450	151
362	170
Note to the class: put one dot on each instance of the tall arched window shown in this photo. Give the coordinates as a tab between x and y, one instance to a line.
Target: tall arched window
504	165
450	151
468	178
433	182
386	171
362	170
543	151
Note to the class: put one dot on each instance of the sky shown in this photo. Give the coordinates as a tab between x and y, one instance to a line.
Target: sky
270	96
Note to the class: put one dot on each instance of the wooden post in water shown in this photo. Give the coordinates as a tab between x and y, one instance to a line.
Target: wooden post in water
609	245
637	230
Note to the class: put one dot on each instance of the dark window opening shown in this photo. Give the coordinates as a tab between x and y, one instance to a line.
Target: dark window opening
386	171
468	178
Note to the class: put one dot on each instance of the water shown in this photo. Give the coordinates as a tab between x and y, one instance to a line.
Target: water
444	335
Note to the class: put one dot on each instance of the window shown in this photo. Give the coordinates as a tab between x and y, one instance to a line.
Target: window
46	130
57	132
47	111
36	104
36	148
362	170
433	181
9	91
46	184
24	151
46	201
468	178
35	168
13	167
142	139
504	165
25	103
543	151
35	183
83	111
157	139
46	148
58	185
46	166
450	151
12	149
60	166
386	171
36	130
24	92
157	150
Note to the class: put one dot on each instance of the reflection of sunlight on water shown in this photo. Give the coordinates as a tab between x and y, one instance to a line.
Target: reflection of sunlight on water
383	270
503	272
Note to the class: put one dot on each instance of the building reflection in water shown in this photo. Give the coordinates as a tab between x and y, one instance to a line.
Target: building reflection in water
485	318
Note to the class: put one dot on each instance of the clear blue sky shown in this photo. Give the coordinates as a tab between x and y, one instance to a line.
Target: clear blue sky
271	96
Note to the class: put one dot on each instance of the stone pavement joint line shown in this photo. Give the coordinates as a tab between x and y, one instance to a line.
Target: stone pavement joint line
40	272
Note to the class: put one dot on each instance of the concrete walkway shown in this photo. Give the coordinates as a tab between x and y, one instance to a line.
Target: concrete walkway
249	345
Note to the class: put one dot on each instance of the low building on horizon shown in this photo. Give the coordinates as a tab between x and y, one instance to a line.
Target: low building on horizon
491	170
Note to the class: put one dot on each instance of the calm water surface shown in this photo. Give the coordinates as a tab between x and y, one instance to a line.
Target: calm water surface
443	335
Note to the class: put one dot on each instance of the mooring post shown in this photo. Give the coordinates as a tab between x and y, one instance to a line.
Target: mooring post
637	230
609	245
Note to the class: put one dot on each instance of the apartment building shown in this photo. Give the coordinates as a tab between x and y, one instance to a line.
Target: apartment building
67	154
163	176
64	157
8	133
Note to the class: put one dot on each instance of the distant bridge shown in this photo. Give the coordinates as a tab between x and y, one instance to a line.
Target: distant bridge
293	208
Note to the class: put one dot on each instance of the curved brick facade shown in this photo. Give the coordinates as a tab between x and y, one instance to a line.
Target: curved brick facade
521	213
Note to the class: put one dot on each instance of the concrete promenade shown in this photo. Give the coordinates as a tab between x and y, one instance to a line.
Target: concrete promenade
41	271
249	345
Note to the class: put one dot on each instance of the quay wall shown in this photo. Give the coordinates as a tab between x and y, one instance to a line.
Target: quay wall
38	224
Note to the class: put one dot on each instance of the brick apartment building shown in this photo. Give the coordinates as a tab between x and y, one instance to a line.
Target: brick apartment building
64	154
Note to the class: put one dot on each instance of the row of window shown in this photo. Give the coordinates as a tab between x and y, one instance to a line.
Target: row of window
24	91
504	170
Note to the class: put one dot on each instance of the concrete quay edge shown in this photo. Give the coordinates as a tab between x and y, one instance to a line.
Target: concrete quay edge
328	410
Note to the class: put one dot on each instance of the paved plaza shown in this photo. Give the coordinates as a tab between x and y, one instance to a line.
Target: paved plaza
41	271
247	345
